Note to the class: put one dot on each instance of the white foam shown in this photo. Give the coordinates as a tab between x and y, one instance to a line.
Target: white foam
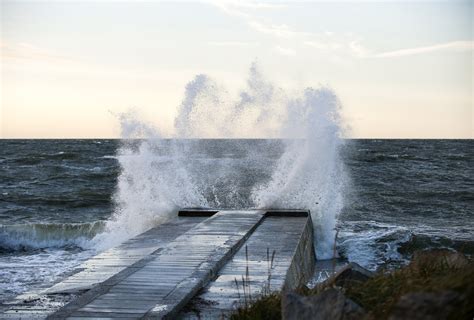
48	235
22	272
375	244
160	176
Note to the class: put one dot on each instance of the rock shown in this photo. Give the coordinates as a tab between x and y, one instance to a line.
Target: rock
350	273
438	257
426	305
329	304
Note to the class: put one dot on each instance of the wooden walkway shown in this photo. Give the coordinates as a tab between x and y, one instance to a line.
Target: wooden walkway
263	265
108	263
196	258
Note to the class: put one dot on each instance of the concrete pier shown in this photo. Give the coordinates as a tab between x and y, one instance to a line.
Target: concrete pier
203	264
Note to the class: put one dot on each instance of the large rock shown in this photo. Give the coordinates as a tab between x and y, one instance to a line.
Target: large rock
349	274
426	306
438	257
330	304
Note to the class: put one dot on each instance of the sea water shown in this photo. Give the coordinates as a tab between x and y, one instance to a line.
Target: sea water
62	201
57	197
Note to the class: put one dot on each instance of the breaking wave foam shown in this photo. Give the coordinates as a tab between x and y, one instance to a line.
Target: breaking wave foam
48	235
302	168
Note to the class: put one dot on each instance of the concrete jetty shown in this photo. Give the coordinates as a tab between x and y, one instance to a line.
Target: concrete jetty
204	263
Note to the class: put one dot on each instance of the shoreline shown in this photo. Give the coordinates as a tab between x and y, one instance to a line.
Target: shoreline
436	284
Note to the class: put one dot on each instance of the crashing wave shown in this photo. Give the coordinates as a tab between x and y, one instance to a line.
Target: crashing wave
47	235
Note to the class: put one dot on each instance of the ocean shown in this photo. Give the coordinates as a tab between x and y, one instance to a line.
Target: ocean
62	201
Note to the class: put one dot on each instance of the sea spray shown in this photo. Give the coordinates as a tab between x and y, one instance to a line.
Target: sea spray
295	163
153	182
310	174
208	111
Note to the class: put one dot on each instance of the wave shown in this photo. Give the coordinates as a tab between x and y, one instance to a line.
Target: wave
458	156
376	156
419	241
24	237
80	199
374	244
27	160
295	164
63	155
77	168
37	158
460	195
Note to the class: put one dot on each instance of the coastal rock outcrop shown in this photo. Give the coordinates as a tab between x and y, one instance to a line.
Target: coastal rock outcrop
329	304
438	257
426	305
349	274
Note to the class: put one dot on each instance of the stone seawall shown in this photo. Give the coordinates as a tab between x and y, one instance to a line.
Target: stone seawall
302	266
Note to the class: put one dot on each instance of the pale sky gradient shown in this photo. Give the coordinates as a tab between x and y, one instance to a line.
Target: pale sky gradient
401	69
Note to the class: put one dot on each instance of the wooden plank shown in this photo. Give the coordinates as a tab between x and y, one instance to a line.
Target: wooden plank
111	262
176	273
254	258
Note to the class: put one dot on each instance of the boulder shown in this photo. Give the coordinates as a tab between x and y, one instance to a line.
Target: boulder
349	274
426	306
438	257
329	304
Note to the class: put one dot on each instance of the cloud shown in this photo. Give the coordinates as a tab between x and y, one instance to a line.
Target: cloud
342	46
279	31
285	51
246	12
456	46
231	43
238	8
323	44
241	9
358	49
256	5
324	41
354	47
26	51
230	9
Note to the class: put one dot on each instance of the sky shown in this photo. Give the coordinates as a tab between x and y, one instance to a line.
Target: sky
401	69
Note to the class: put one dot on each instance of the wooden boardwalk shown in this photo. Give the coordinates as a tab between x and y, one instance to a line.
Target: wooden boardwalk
106	264
268	262
195	258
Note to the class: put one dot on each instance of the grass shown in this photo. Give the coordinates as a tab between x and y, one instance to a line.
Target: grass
379	294
264	308
267	305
